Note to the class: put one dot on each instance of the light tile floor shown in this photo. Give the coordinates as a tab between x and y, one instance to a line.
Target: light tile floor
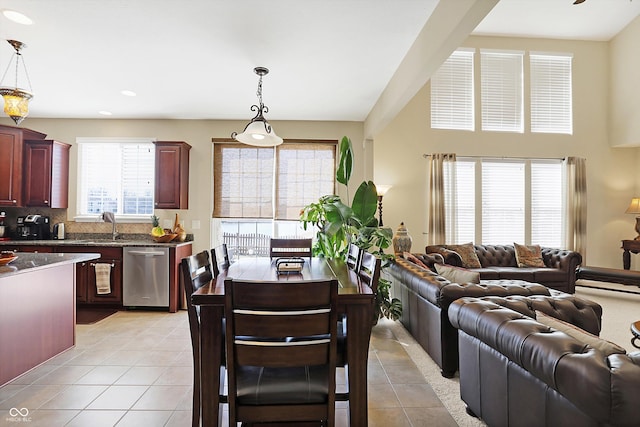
135	369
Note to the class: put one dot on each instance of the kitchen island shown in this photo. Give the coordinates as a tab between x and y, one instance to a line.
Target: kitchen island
37	309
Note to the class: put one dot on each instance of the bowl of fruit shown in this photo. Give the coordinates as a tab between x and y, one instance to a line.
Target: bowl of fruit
159	234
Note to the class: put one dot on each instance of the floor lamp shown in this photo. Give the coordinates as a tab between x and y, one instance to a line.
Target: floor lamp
381	191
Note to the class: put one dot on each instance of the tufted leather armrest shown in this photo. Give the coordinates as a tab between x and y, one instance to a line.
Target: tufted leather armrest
561	258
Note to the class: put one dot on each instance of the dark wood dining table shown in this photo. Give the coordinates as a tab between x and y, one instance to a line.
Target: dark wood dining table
355	301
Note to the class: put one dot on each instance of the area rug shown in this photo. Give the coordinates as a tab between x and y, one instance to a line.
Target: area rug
89	316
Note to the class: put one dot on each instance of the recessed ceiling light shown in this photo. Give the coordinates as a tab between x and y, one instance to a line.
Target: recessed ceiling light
105	113
18	17
128	93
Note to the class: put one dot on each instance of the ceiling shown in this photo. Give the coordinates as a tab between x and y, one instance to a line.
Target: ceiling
194	59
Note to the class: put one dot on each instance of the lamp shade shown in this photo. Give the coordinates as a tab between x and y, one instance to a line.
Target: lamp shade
634	206
382	189
256	133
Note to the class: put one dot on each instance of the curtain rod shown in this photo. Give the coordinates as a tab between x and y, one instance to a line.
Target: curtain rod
502	157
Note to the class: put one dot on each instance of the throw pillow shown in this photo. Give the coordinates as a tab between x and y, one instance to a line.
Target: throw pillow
529	256
468	254
581	335
457	274
412	258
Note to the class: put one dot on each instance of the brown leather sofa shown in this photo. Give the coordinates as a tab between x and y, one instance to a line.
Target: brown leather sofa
426	297
515	371
499	262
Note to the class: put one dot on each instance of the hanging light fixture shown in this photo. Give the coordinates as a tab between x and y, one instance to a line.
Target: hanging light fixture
16	100
259	132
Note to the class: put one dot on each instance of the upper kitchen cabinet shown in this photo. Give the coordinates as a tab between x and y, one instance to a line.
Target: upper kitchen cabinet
11	166
46	173
172	175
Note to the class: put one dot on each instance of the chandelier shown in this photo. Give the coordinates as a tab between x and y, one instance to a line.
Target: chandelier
259	132
16	100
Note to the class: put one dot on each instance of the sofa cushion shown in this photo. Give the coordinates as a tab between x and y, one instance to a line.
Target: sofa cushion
528	255
414	259
583	336
457	274
468	254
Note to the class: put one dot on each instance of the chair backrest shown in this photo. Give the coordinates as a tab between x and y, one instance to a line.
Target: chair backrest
196	272
369	271
281	350
354	257
219	259
290	248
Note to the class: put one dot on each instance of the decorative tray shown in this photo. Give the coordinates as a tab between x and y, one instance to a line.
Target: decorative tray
289	265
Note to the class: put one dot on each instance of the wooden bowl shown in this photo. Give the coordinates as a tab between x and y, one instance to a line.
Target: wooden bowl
166	238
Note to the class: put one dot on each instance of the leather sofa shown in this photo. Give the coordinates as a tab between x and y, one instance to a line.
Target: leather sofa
426	297
499	262
515	371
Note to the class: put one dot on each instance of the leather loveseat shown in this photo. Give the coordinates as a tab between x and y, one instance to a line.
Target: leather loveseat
515	371
499	262
426	297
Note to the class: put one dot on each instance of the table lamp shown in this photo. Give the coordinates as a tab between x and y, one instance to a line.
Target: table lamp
634	208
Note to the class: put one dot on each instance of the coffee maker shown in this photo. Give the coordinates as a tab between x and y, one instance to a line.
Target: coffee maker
33	227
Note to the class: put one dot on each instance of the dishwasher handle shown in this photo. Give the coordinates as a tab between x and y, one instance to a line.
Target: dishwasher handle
146	253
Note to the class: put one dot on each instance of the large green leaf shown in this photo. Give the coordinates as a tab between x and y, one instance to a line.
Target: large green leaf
365	203
345	162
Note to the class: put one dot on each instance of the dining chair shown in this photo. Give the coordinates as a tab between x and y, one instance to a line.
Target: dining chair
290	248
281	351
219	259
196	272
354	256
369	270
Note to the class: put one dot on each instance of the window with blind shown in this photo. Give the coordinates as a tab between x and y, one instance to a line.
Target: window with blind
501	90
452	100
259	192
502	201
551	93
116	176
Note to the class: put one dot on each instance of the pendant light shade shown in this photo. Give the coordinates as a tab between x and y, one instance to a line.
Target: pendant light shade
258	132
16	100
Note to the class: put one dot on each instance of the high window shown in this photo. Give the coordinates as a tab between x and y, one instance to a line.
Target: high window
551	94
452	105
502	201
116	176
502	89
260	191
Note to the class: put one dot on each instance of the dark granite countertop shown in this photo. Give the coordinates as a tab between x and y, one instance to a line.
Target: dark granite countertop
92	242
27	261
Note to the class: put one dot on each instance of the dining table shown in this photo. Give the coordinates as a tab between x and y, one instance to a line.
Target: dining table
355	301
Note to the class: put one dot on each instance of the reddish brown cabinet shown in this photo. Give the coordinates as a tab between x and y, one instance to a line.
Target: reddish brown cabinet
86	290
46	173
11	162
172	175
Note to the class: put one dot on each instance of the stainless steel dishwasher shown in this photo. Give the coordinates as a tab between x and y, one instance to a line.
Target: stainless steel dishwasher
145	277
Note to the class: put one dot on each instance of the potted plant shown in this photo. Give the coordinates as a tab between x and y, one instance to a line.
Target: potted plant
339	224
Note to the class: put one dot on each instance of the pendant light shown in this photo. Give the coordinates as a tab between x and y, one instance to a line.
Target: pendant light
259	132
16	100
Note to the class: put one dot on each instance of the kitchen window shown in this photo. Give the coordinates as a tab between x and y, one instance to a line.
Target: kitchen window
260	191
116	175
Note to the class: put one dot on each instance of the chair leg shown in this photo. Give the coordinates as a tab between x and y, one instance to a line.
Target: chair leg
195	414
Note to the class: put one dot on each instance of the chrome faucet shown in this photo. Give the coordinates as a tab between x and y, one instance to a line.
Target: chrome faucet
110	217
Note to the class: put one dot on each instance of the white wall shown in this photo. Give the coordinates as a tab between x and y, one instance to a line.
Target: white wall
399	149
198	134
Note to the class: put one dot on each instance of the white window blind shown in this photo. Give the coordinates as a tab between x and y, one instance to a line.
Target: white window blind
452	89
243	177
304	173
546	203
551	93
501	90
464	224
116	177
502	202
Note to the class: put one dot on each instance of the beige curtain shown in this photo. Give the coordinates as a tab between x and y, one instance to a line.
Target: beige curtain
439	165
576	205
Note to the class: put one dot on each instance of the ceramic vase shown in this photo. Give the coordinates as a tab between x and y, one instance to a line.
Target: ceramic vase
402	240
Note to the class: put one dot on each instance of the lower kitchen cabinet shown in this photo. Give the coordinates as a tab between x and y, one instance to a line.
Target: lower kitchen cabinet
29	248
86	286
